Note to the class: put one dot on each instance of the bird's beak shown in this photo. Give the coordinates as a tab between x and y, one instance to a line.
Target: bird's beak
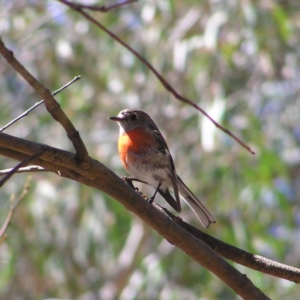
115	119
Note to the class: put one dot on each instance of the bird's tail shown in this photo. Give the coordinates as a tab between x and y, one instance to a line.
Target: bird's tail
195	204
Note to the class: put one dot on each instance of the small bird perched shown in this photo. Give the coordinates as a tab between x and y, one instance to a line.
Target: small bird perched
146	156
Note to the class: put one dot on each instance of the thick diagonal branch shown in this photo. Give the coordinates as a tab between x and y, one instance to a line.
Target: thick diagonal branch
94	174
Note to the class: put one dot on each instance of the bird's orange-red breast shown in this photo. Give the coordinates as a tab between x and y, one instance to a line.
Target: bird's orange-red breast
146	156
133	141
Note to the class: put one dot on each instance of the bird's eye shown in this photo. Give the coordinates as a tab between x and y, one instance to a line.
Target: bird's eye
133	117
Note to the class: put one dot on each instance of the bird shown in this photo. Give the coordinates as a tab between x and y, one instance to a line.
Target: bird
145	155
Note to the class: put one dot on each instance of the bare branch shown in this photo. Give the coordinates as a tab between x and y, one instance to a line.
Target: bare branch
163	81
98	176
76	78
21	116
23	163
101	8
50	166
58	159
37	104
29	169
52	106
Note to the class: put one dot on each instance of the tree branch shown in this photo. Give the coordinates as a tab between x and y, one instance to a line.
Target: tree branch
29	169
64	163
52	106
98	176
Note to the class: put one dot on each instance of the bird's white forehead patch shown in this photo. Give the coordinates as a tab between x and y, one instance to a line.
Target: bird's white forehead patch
124	112
121	114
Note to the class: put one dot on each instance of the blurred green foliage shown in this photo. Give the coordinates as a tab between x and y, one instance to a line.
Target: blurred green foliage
238	60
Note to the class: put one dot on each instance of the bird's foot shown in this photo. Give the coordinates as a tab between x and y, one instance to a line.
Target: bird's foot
129	180
151	199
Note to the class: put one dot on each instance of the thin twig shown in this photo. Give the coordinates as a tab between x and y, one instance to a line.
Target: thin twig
51	104
29	169
21	116
36	105
76	78
101	8
13	207
166	84
23	163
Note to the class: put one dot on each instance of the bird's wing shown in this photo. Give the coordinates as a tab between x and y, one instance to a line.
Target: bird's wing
162	147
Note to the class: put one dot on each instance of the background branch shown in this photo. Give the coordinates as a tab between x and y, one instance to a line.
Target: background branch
12	209
164	82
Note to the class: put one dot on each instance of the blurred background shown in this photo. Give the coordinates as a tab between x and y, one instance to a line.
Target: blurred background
238	60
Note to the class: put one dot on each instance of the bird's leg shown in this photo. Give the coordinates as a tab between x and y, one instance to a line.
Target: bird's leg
153	197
